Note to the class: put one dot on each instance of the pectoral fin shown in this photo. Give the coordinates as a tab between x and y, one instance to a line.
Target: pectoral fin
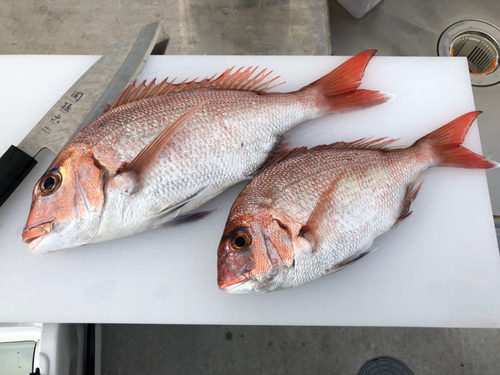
147	157
311	230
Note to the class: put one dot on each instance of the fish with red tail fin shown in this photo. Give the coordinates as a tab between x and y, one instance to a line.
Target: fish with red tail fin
312	212
143	163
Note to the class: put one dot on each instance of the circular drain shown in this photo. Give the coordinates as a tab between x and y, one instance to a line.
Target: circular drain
384	365
481	53
478	41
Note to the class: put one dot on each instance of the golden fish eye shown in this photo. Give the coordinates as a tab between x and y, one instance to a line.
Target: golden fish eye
50	183
241	240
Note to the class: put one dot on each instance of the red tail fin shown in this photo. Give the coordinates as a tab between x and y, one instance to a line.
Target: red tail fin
445	143
339	86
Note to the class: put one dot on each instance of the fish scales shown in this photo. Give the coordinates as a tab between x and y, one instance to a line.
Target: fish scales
145	163
371	193
129	130
187	163
318	210
370	196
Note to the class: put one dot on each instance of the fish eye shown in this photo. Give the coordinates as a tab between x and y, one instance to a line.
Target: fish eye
241	240
50	183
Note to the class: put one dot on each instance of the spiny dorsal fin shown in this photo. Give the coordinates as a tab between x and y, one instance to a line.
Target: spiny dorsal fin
281	153
364	144
147	156
239	80
411	194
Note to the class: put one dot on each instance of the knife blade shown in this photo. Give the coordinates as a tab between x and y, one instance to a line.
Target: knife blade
80	105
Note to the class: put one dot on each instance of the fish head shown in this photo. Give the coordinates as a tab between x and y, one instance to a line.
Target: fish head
251	256
66	204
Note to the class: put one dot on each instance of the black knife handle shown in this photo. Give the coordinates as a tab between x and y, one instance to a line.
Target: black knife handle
14	167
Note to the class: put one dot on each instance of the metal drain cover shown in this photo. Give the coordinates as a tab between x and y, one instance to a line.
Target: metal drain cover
384	365
478	41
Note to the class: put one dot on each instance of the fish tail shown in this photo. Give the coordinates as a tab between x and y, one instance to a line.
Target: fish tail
446	141
338	89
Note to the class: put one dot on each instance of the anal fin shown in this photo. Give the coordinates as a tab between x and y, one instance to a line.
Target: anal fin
411	194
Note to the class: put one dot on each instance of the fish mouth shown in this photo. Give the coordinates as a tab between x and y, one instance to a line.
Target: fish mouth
35	232
35	235
233	283
32	247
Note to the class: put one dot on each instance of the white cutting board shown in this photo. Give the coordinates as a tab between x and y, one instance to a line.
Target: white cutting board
441	268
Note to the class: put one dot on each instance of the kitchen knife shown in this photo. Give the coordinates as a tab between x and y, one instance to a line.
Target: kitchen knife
79	106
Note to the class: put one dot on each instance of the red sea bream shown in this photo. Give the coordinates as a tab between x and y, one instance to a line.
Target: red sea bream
141	165
312	212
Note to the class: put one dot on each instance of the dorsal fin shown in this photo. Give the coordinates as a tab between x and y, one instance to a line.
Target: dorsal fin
239	80
281	153
148	154
411	194
363	144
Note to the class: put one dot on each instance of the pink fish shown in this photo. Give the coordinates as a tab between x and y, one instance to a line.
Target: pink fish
141	165
312	212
